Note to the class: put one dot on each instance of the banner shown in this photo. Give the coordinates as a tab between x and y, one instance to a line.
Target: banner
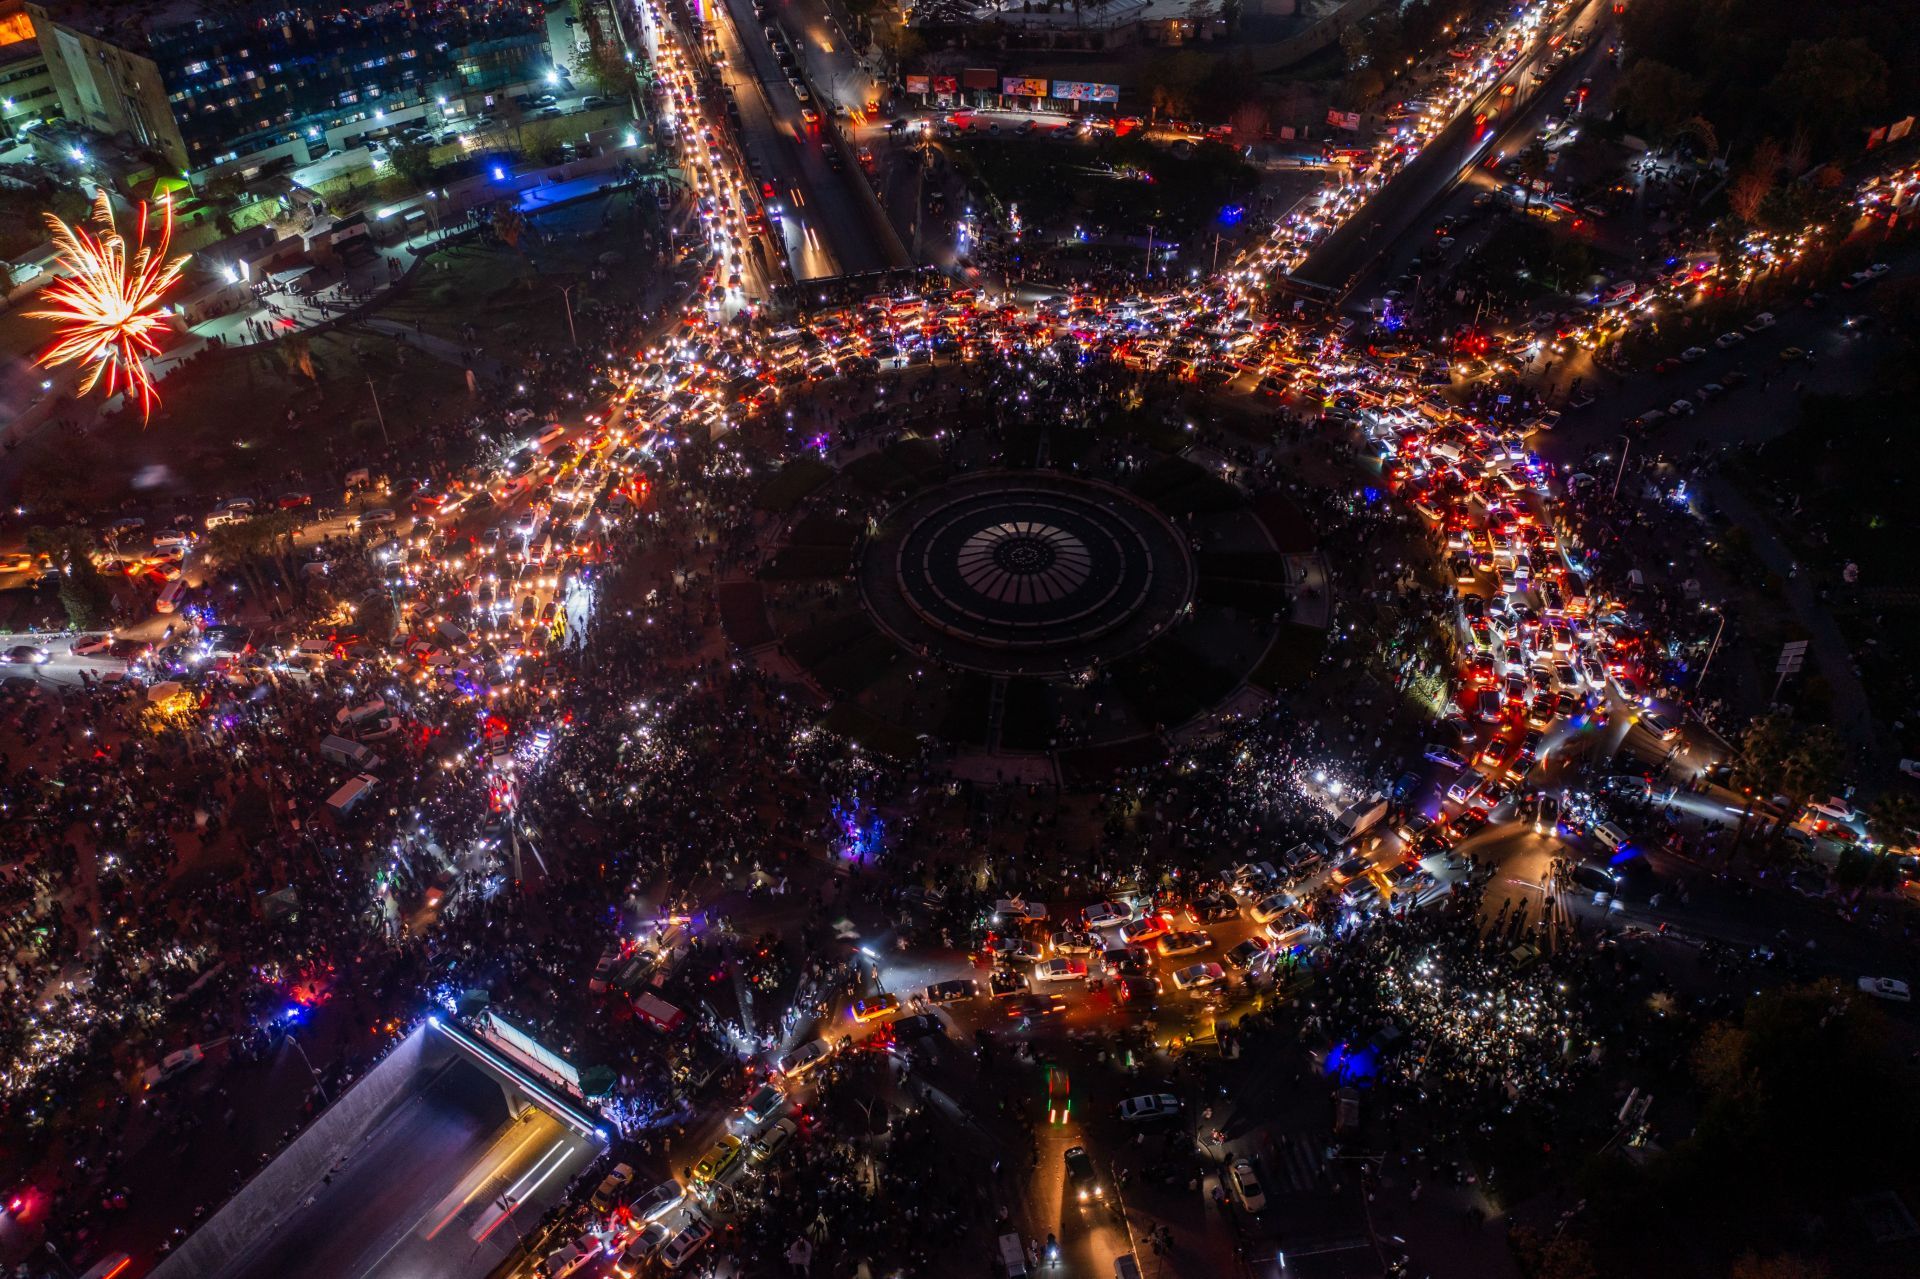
1344	119
919	84
979	78
1081	91
1018	86
946	84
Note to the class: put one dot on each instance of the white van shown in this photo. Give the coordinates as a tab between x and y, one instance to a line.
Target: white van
355	714
1609	836
171	596
349	754
1125	1267
343	801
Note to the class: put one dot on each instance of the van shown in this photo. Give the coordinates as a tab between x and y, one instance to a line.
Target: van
349	797
355	714
1358	819
1125	1267
348	754
1013	1257
1609	836
171	597
1466	785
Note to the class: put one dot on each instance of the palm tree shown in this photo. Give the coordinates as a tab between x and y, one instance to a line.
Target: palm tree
246	545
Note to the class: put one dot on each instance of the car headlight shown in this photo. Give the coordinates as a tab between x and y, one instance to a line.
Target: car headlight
1083	1196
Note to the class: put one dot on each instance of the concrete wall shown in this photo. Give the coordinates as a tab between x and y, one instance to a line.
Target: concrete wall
278	1190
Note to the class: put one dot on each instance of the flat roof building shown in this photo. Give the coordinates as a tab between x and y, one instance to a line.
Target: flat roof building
207	84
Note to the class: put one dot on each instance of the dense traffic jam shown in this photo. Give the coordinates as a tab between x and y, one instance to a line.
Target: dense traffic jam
488	573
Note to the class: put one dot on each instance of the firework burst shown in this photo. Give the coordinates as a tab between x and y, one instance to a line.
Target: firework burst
108	308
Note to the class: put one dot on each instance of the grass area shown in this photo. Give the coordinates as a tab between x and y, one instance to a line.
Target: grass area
1170	683
1291	660
899	468
1115	186
791	484
1180	487
1027	722
855	722
246	421
799	563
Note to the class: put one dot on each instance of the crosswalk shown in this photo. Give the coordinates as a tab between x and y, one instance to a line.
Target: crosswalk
1298	1162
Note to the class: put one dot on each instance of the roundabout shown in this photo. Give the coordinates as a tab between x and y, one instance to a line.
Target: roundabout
1024	573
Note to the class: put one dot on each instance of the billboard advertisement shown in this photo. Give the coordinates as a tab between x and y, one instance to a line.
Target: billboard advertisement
1023	86
919	84
946	84
1081	91
979	78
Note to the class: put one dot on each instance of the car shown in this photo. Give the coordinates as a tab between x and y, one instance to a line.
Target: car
692	1238
1681	408
659	1201
1126	961
918	1026
1248	953
1693	353
1271	907
1361	894
1149	1108
1017	910
764	1105
90	645
173	1064
1070	943
1246	1185
1061	970
28	655
1662	728
1730	339
1760	323
1212	908
805	1058
1887	988
1008	981
374	518
1792	354
1446	755
719	1157
1146	929
1082	1176
953	992
1253	879
1835	809
1027	1007
612	1186
1291	930
1184	943
641	1248
874	1008
768	1145
1010	950
1106	914
1199	977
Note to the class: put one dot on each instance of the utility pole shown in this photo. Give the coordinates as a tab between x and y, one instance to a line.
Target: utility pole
566	291
1713	647
1626	445
1149	250
377	414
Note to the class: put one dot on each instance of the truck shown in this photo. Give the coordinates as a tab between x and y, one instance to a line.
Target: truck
350	796
657	1012
1357	819
348	754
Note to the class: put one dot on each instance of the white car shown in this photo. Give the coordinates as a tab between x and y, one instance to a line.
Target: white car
1246	1185
1199	977
1887	988
1149	1108
1728	340
172	1064
1272	906
1106	914
691	1239
1061	970
1834	809
1072	944
1761	322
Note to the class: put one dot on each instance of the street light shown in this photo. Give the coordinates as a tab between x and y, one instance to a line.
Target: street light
1713	647
1626	445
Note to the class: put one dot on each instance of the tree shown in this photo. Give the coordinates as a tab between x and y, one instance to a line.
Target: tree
414	163
1830	86
84	594
1249	124
1658	97
1894	817
1532	164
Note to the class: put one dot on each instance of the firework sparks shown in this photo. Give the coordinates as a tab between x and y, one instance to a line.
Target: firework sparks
108	308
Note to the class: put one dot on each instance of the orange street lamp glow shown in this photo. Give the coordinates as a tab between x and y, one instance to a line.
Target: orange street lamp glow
108	307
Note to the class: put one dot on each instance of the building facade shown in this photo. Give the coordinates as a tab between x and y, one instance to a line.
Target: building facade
208	85
27	93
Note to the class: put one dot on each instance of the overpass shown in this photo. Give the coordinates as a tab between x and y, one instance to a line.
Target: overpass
434	1164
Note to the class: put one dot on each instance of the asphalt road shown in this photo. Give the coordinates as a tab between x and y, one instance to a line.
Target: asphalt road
422	1198
62	667
1392	212
826	224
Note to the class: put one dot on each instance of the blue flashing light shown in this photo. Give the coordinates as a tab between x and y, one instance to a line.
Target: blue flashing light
499	173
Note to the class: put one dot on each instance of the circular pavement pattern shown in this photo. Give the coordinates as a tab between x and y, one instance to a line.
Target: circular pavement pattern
1025	573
